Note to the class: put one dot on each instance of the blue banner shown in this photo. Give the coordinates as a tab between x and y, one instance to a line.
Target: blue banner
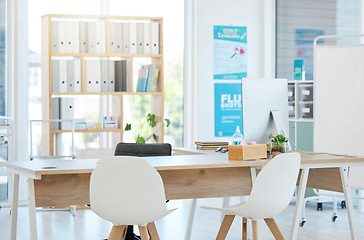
230	52
228	109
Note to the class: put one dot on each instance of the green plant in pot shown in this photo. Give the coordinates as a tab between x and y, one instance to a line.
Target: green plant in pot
151	122
279	144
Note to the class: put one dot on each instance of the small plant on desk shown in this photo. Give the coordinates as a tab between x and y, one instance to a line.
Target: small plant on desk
279	145
151	122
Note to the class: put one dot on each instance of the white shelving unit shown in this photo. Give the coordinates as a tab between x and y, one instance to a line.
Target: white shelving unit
300	110
6	153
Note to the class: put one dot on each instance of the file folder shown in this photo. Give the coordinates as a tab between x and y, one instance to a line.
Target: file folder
83	37
70	76
62	36
55	113
69	36
147	47
119	38
133	38
62	75
111	77
112	37
155	37
140	38
100	36
67	112
142	80
55	40
120	76
97	76
150	68
76	37
104	75
126	38
77	75
55	75
91	37
89	75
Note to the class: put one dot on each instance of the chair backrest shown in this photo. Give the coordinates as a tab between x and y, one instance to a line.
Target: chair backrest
143	149
127	191
356	177
274	186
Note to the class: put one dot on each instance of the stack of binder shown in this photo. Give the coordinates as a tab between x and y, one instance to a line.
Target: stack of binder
147	78
211	145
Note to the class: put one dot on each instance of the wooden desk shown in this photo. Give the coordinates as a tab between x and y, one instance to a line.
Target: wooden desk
184	177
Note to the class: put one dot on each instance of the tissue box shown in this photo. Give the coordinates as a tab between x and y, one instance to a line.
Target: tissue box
245	152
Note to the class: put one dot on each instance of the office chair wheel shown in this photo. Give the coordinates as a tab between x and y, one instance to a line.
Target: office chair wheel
343	204
303	222
334	217
319	206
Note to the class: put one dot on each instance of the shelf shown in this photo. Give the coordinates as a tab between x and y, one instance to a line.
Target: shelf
300	81
107	93
88	130
106	55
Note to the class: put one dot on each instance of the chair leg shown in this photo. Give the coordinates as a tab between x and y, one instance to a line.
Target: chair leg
245	233
143	232
117	232
255	229
273	227
225	226
152	230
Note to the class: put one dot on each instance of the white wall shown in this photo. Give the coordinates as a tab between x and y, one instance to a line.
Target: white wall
259	17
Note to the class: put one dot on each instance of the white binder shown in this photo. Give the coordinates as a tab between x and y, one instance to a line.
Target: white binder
69	36
155	37
111	76
133	38
119	38
55	41
91	37
55	75
97	76
70	76
62	36
55	112
83	37
100	36
76	37
62	75
104	75
77	75
140	38
126	38
67	112
89	75
147	45
112	37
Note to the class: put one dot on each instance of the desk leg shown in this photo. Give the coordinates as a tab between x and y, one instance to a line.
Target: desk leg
31	209
299	203
348	201
191	216
14	206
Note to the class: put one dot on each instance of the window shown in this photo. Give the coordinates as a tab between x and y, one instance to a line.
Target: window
300	21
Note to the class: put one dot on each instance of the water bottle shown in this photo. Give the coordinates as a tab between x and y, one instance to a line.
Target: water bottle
237	137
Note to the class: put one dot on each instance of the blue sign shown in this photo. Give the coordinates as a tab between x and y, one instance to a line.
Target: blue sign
230	52
228	109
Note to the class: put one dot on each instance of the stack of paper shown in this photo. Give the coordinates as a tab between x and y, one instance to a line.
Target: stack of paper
210	145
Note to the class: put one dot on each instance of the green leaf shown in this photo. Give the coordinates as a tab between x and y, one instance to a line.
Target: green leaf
140	139
127	127
168	122
155	138
151	120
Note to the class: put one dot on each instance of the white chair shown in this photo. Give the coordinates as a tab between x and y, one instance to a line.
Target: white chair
271	193
113	198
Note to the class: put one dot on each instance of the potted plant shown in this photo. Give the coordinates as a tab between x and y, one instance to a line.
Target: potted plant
279	145
151	122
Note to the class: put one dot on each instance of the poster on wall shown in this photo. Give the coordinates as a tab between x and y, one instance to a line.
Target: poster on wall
228	108
230	52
